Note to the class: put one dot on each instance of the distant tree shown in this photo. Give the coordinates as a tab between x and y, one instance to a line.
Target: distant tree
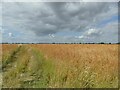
102	43
53	43
5	43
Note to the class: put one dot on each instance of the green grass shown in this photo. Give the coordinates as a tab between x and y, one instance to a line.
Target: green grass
29	69
44	69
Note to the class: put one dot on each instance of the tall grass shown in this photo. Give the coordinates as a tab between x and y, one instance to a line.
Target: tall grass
84	66
63	66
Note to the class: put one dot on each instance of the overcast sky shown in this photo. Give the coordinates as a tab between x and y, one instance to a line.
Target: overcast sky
47	22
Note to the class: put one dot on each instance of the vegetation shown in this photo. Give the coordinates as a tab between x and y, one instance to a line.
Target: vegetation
60	66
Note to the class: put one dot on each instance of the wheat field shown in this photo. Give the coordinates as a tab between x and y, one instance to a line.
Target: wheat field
60	65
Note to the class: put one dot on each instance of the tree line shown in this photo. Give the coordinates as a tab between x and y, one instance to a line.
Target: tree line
60	43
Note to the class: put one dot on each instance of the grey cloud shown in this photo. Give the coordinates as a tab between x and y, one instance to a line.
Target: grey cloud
53	17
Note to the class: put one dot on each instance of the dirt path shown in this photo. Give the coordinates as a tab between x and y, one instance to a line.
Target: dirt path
9	63
14	66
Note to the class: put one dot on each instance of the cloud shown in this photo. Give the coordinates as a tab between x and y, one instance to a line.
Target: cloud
90	35
50	18
10	34
80	37
93	32
110	32
51	36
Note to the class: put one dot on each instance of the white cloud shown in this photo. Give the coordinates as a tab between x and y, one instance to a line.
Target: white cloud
93	32
80	37
51	36
90	31
10	34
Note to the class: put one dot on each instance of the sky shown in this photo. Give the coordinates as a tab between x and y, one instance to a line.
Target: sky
47	22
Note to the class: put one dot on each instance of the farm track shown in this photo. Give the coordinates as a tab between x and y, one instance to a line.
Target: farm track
12	59
17	67
44	66
25	68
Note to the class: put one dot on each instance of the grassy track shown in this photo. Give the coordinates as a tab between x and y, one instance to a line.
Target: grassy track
26	67
29	66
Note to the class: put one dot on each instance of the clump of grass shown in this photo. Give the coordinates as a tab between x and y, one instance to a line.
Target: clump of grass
44	69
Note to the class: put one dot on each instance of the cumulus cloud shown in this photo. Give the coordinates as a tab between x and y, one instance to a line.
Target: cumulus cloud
49	18
93	32
90	35
10	34
51	36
